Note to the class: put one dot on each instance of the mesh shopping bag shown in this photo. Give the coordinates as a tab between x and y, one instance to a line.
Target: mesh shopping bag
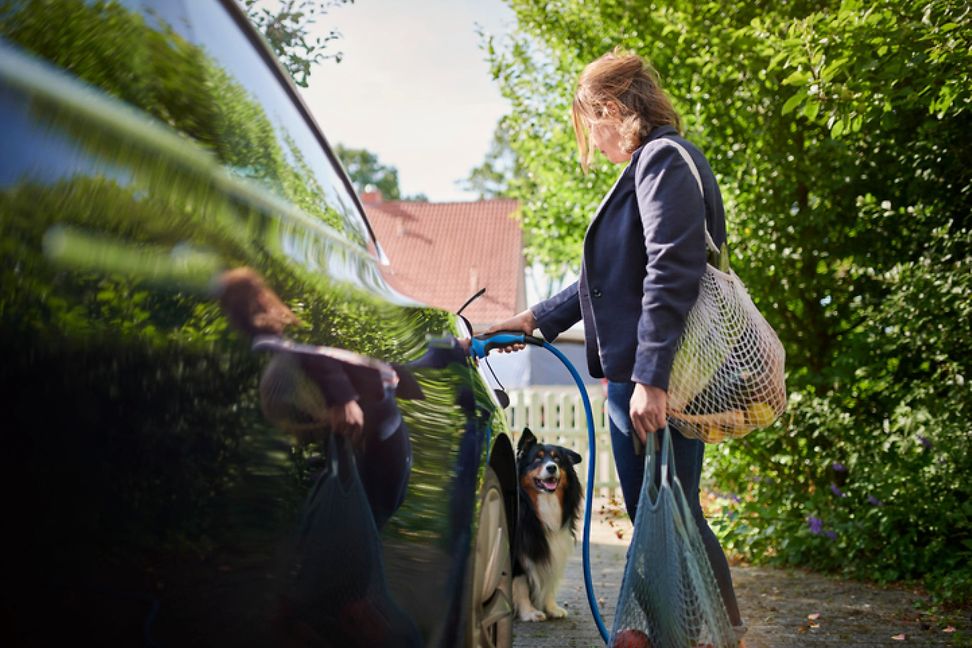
727	378
669	596
336	592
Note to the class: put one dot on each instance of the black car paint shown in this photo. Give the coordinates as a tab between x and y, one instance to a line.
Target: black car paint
149	501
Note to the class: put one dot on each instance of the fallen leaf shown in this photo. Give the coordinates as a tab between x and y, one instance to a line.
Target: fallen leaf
814	625
899	637
814	616
949	629
620	534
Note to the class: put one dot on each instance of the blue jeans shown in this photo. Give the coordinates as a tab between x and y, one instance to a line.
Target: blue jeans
688	467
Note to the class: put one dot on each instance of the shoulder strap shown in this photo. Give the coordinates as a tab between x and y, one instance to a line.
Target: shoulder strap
695	173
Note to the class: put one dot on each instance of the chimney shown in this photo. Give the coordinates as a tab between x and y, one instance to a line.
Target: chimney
371	196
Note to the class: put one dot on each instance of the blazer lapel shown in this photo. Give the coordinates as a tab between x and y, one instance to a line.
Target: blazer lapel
655	133
607	199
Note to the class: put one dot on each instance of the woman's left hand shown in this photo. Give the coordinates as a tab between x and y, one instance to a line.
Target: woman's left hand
647	410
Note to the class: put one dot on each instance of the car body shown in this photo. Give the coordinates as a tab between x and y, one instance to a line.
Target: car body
148	148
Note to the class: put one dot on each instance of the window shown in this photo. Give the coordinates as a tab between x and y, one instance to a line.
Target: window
264	135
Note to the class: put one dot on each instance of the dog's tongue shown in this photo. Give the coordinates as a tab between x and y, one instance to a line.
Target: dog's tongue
550	483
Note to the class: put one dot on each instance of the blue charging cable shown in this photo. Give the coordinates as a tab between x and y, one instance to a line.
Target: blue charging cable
479	347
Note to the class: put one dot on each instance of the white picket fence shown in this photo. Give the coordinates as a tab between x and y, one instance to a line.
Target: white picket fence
556	415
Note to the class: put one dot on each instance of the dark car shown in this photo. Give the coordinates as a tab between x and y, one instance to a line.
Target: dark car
178	470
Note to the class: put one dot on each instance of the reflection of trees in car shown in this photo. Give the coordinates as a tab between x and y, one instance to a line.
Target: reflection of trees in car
139	197
136	425
86	340
88	305
287	27
176	82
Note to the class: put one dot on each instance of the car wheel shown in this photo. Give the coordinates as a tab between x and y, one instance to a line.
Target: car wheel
491	617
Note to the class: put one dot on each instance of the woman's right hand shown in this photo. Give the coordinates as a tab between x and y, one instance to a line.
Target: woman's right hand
523	322
347	420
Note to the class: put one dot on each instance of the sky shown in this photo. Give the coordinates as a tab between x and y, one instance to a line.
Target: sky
413	87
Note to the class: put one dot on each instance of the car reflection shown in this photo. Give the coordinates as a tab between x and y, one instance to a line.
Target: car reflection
315	392
336	591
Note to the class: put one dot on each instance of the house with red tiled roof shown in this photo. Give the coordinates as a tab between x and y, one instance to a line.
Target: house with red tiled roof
443	253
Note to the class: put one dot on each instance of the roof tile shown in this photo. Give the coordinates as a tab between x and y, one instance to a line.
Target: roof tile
442	253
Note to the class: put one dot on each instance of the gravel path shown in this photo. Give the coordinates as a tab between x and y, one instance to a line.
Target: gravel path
783	608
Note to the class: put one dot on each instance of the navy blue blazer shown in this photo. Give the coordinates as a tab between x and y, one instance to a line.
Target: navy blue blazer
644	253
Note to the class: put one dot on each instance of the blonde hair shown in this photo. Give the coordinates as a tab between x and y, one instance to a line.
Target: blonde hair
631	84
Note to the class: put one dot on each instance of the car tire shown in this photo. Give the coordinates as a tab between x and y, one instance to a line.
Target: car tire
491	614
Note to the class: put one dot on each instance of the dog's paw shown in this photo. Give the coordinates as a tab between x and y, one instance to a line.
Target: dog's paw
533	615
554	611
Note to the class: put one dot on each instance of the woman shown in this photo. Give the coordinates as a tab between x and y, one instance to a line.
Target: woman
644	253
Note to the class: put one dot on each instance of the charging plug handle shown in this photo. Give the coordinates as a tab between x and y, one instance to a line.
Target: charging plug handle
481	345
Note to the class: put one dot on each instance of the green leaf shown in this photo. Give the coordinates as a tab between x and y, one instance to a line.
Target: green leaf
794	101
776	60
797	78
811	109
832	68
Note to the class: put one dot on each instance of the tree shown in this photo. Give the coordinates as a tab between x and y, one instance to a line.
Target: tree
494	177
287	27
368	173
840	136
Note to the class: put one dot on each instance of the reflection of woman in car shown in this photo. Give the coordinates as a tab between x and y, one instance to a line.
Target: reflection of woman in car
308	391
336	592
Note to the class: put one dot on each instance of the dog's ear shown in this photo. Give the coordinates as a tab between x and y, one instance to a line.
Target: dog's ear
526	440
573	456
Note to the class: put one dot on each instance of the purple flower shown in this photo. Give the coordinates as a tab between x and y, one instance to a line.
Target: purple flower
831	534
836	491
838	467
923	440
815	524
873	501
735	498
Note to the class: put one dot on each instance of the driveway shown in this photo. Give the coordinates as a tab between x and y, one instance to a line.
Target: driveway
784	608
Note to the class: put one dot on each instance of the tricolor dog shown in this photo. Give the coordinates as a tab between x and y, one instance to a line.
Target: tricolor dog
550	496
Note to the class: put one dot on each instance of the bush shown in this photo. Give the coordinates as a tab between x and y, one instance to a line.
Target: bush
872	479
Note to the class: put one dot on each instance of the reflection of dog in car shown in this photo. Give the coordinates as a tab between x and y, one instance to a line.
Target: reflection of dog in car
550	497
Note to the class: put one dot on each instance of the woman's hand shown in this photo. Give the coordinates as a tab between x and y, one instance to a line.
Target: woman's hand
647	410
347	420
523	322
